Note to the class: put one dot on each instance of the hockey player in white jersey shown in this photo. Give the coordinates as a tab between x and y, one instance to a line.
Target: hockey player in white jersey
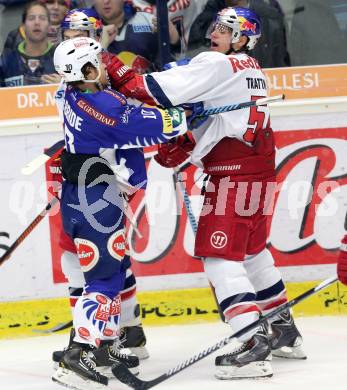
236	149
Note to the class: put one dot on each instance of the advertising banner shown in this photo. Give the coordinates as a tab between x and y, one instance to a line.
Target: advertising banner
294	82
307	223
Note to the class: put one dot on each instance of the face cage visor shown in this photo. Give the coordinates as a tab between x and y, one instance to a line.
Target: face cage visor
221	28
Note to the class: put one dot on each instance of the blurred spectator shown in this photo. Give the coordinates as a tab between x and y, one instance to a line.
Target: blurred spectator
57	11
10	18
197	37
31	62
305	48
128	34
182	15
271	52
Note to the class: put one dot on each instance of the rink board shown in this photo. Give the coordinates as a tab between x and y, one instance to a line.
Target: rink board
171	307
304	236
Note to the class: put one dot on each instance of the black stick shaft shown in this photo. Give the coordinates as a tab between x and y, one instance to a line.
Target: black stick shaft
28	230
243	331
125	376
163	32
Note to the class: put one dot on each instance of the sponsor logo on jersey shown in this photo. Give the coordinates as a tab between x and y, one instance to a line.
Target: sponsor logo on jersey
88	253
83	332
95	114
167	122
125	116
218	239
101	299
115	306
108	332
116	245
102	313
117	96
248	63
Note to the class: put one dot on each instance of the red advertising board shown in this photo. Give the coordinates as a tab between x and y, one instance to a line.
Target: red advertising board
308	220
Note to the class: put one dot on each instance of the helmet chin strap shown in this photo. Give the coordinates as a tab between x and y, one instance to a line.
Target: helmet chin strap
96	80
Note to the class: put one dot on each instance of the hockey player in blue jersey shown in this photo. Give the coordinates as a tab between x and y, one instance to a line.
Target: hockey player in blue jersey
85	22
98	120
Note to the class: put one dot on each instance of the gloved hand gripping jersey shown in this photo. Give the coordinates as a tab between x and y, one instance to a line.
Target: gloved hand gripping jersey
117	71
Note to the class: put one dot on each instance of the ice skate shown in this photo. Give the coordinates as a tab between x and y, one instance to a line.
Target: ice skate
133	338
286	340
108	353
250	360
77	370
57	355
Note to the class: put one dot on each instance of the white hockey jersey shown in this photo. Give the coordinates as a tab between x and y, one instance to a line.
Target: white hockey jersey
217	80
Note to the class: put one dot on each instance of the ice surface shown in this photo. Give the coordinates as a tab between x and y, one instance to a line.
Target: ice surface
26	363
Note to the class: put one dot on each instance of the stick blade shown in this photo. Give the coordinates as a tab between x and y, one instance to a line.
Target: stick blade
122	373
57	328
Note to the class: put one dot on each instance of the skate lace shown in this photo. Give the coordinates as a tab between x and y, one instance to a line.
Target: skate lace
122	336
242	348
115	349
87	360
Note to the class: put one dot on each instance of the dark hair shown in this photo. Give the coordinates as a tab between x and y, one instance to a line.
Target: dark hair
85	70
31	5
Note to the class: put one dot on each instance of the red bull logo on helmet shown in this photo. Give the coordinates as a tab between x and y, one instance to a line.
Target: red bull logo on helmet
95	22
246	25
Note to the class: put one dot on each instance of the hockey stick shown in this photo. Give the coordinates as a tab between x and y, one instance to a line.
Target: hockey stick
121	372
40	160
239	106
3	246
28	230
187	202
194	225
57	328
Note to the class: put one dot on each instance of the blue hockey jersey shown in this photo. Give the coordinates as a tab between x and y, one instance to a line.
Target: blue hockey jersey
104	124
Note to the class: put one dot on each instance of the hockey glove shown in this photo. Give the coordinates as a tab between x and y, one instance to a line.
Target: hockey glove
194	121
342	262
175	152
54	186
118	73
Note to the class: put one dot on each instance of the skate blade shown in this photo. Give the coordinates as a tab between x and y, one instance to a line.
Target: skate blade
107	371
260	369
71	380
289	353
140	352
